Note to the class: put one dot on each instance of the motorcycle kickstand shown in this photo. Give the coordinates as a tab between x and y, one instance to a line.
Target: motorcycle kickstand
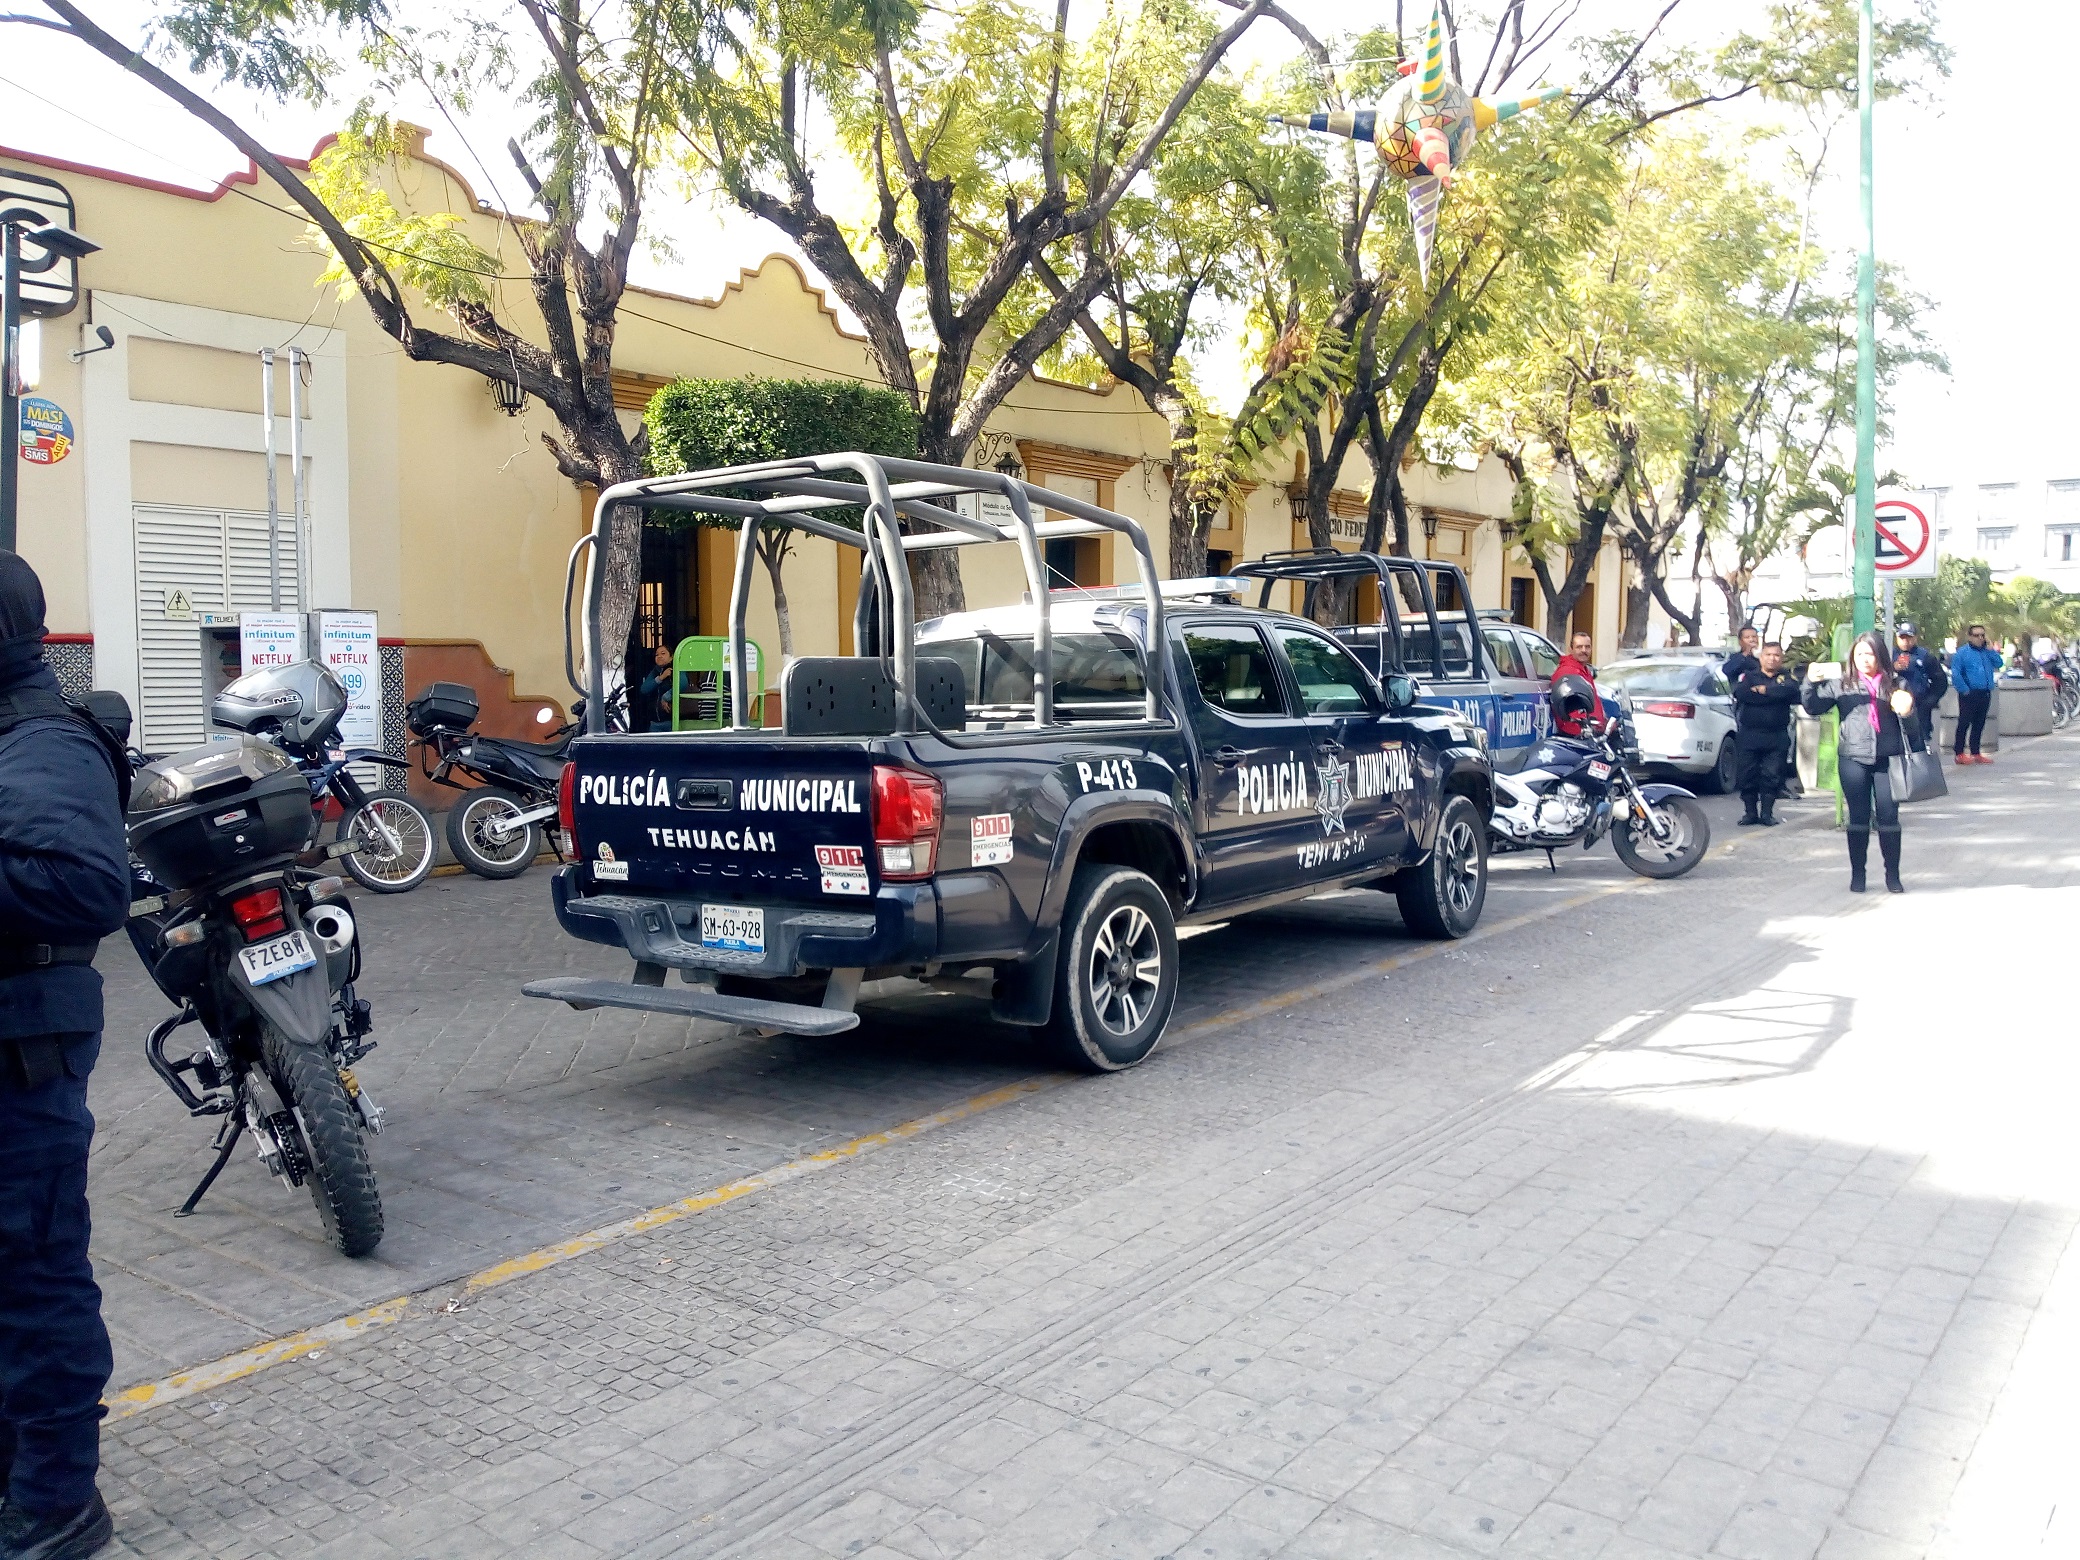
234	1127
1552	866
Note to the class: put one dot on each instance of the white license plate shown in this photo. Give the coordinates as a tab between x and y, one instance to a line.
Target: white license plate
1600	771
733	928
276	957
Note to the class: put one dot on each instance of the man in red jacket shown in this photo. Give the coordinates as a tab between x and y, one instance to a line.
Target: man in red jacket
1575	663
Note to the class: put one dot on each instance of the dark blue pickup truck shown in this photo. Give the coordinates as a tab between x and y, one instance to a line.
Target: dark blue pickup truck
1037	794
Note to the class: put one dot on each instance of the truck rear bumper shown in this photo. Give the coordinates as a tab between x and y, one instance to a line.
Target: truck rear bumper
694	1002
899	929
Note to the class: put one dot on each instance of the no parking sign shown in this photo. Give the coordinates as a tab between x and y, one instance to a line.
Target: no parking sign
1906	547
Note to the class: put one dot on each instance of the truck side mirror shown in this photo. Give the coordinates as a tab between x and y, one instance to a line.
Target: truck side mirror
1399	689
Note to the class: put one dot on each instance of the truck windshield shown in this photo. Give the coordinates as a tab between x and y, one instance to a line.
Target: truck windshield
1097	676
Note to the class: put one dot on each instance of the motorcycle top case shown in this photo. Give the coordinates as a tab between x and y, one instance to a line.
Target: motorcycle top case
444	706
211	811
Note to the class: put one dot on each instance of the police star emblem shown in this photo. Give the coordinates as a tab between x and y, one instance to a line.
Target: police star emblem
1335	795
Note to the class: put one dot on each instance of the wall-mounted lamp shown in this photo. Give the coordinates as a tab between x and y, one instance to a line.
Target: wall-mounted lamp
1296	496
511	399
1008	464
1429	526
102	334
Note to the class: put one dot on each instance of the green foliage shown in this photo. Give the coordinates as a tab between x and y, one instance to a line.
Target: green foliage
1961	594
428	251
2027	609
698	424
267	46
1220	453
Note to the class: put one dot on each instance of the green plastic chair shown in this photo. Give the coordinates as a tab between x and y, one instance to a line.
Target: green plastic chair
700	683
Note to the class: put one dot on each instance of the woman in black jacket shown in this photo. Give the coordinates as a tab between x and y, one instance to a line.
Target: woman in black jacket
1871	704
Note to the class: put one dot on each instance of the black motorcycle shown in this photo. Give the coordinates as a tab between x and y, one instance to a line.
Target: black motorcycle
262	955
498	826
1580	788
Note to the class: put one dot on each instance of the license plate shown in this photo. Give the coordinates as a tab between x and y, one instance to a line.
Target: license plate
276	957
1599	771
733	928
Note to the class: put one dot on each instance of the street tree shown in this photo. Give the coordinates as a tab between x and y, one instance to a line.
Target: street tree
984	146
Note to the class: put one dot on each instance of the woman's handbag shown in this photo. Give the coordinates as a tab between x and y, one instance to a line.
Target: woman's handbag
1917	776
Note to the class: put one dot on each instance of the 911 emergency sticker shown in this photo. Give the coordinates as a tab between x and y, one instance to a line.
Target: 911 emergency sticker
992	840
844	868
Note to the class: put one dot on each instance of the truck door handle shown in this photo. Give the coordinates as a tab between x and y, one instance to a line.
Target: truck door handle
1227	757
1327	748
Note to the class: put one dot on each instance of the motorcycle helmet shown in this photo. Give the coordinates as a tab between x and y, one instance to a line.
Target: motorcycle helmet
1571	696
302	702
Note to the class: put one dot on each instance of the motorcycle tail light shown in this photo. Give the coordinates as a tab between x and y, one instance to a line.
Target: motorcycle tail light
259	914
908	808
566	805
1675	709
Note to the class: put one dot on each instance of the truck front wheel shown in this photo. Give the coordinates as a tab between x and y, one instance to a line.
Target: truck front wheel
1443	896
1117	979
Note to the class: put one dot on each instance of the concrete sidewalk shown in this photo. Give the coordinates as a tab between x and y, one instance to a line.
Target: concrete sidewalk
1714	1217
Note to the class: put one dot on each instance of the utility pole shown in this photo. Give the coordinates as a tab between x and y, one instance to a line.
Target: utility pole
57	243
1866	535
274	507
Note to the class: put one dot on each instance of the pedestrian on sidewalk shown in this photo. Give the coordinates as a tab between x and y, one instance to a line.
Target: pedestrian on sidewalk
1874	709
1762	711
1920	672
1974	667
64	885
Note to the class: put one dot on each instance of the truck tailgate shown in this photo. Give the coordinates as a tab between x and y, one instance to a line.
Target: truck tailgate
753	821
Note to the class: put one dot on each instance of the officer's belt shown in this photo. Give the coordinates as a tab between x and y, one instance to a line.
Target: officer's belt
20	958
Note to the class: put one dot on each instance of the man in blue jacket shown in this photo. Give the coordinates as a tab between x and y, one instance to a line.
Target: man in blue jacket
64	885
1974	666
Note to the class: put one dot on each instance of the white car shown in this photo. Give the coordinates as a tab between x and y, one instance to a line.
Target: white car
1683	710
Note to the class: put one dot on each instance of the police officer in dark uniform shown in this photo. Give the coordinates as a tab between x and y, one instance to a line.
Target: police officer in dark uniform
64	885
1763	699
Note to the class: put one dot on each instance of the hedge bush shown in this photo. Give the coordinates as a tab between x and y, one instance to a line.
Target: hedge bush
695	424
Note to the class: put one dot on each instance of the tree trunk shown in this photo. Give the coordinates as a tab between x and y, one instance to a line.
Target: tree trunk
935	576
772	552
1633	634
1188	528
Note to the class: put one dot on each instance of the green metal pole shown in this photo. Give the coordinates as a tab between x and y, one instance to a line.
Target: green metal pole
1866	351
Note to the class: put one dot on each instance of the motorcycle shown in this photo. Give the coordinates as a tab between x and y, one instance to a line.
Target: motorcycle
496	827
1580	788
299	707
262	954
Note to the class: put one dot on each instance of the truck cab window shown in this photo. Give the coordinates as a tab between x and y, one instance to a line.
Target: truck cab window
1330	681
1231	667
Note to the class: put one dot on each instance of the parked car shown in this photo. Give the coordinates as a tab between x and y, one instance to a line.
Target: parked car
1036	794
1682	710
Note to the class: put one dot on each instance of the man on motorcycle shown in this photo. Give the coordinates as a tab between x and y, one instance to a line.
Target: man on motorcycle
1763	699
64	885
1575	664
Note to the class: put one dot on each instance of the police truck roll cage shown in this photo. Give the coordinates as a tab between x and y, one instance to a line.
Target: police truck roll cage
886	492
1312	565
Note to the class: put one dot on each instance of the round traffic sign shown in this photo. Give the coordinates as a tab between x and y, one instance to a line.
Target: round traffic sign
1903	536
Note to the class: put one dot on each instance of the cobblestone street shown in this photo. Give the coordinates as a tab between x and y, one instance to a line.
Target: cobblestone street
1729	1216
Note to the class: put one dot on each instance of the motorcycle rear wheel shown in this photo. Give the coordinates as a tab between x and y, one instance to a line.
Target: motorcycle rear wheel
480	850
341	1181
1689	838
397	844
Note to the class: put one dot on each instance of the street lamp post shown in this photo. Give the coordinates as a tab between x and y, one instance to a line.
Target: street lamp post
1866	348
57	243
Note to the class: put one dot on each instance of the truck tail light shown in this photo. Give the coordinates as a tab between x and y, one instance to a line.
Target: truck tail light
259	914
1674	709
566	808
907	812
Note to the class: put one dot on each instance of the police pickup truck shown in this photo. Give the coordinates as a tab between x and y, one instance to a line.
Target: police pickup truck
1038	794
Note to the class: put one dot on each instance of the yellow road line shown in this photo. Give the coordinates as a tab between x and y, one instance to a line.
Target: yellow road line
297	1345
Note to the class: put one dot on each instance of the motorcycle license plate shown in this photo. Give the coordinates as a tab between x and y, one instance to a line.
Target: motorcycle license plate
1599	771
276	957
733	928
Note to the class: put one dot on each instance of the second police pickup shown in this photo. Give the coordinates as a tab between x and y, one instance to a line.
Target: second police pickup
1023	794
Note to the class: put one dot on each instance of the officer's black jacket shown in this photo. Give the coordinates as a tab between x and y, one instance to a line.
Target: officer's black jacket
64	874
1764	704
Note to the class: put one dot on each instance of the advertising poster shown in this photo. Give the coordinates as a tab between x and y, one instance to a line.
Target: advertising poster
268	639
347	644
46	432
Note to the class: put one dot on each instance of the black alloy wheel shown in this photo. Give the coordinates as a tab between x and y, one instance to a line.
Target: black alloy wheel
1443	896
1116	976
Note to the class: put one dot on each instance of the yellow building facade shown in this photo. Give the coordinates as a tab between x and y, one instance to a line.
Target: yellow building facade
432	507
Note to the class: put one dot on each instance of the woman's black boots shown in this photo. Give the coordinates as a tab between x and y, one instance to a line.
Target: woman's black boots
1888	847
1859	854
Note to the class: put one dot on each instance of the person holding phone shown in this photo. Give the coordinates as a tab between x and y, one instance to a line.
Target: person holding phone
1872	706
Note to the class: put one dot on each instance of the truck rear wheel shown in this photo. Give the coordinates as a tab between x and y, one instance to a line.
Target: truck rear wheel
1116	980
1443	896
